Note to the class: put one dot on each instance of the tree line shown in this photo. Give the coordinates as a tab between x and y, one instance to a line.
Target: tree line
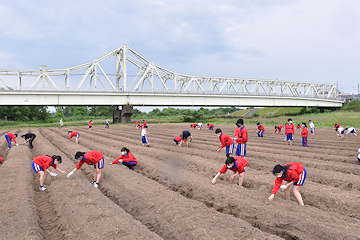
41	113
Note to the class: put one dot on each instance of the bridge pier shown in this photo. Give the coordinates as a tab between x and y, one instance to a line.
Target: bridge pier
123	115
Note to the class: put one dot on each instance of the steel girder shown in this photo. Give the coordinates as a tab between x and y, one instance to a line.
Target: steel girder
135	73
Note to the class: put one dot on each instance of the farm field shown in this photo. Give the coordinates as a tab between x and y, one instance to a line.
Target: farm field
169	194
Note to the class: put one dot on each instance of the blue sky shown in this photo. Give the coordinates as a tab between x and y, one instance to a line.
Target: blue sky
310	41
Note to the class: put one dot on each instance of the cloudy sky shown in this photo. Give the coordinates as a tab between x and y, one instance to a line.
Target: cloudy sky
310	41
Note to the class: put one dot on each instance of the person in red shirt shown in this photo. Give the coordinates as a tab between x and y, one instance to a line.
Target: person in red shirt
261	129
210	126
289	131
126	159
41	164
237	165
241	138
279	128
11	137
293	173
193	125
337	125
92	158
74	134
226	141
90	125
137	125
298	126
177	140
304	134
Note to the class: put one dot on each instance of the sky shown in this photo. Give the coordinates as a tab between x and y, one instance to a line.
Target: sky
299	40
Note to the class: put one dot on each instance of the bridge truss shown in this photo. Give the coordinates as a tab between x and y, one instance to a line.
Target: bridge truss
133	73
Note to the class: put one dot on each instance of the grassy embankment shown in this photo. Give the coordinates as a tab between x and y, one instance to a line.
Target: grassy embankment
348	116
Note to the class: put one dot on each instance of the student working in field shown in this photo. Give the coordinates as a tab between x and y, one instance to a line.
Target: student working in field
41	164
304	134
226	141
29	137
237	165
92	158
294	174
177	140
184	137
126	159
11	137
289	131
74	134
241	138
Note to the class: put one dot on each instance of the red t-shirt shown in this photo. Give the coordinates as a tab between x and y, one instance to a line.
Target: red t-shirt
289	128
225	140
11	136
91	158
72	134
304	132
44	161
126	158
295	169
261	127
239	165
241	134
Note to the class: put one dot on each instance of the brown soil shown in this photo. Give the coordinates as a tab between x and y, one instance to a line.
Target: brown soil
169	194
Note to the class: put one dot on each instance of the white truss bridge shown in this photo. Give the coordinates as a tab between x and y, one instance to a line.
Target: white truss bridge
123	76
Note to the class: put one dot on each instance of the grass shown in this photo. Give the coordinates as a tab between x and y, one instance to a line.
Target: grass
321	120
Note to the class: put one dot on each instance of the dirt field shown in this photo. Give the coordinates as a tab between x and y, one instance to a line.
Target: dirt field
169	195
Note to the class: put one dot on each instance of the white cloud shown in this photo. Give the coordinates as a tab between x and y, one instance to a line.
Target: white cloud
290	40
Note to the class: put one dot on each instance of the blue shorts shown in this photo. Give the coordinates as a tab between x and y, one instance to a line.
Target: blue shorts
302	178
230	148
211	128
241	149
100	164
312	130
36	167
144	139
90	126
132	163
176	142
289	136
78	135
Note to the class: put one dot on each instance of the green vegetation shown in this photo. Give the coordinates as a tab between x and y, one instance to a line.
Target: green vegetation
34	117
354	105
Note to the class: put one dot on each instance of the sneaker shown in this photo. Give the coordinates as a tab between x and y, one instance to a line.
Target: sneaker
43	188
96	185
148	145
92	182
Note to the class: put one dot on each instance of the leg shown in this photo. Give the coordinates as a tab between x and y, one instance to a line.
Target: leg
8	140
97	175
241	179
287	193
42	177
77	140
30	143
297	195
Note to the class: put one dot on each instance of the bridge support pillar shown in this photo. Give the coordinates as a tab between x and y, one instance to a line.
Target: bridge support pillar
123	115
